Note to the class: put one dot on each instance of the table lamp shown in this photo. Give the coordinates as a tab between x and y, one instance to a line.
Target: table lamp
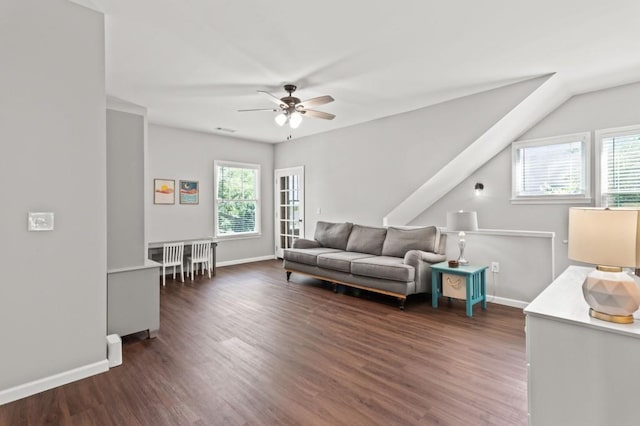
462	221
610	239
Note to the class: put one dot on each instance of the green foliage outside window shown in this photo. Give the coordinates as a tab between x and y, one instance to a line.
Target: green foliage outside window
237	200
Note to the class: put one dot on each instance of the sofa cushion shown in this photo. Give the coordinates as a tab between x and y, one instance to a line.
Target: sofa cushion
340	261
384	267
307	256
366	239
333	235
399	241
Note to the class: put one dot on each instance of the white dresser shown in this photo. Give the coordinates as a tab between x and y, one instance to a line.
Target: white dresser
581	370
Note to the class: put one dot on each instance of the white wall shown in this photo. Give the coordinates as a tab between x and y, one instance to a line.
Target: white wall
187	155
52	131
360	173
524	260
125	189
619	106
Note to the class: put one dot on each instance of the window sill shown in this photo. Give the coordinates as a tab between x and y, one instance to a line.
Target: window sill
551	200
239	237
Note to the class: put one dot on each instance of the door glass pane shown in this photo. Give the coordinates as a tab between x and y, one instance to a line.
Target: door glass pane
284	182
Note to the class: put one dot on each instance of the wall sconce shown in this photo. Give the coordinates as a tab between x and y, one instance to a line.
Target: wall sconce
479	188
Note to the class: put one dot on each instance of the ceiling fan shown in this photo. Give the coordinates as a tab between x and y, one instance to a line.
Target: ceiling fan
292	109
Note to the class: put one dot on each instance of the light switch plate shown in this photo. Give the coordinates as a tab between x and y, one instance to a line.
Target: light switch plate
40	221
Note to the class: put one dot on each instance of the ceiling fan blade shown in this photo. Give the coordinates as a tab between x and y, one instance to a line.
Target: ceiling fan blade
273	98
317	114
260	109
320	100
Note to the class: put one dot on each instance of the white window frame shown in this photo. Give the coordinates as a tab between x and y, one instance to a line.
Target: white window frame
585	198
258	232
599	136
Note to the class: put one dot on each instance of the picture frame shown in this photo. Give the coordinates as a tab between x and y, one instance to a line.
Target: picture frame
164	191
189	192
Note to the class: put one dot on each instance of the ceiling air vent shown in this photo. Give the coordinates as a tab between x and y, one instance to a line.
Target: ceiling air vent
224	129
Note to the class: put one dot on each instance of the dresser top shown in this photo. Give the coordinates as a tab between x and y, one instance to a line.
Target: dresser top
562	300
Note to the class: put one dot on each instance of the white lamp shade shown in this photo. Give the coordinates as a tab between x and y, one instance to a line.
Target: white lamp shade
281	119
607	237
462	221
295	120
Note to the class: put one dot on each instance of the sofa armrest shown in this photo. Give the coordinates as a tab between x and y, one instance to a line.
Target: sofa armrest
421	262
301	243
431	257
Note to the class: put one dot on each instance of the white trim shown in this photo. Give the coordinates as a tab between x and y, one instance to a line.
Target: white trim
288	171
507	302
50	382
507	233
247	260
258	167
585	138
551	200
240	236
599	135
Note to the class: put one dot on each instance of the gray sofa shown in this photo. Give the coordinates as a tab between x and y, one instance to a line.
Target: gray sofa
392	261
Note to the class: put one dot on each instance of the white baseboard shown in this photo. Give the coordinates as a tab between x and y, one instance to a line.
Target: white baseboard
247	260
50	382
507	302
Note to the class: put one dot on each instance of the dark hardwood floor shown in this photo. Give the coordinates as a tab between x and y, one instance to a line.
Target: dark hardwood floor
249	348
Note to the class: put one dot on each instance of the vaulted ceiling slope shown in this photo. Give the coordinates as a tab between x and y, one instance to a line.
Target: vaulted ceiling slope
194	64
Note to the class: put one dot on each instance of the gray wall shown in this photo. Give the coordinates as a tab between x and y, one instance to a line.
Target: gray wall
52	130
361	173
616	107
125	189
187	155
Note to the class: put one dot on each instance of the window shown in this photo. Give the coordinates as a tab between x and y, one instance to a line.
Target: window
237	199
552	170
618	167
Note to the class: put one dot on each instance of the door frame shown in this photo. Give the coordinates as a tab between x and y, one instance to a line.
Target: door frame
277	173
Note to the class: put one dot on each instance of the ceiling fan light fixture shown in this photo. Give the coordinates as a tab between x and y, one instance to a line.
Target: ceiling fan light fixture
295	119
281	119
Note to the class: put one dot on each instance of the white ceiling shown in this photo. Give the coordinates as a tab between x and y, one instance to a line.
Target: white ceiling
194	63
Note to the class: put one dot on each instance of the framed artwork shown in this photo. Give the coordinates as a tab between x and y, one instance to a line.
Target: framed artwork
189	192
164	191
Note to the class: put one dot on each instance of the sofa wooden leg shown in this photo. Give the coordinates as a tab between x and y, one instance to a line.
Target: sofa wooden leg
335	287
288	275
401	301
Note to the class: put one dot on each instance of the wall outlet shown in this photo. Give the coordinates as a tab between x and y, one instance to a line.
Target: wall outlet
495	267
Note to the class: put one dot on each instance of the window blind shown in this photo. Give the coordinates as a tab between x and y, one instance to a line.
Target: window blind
620	171
547	170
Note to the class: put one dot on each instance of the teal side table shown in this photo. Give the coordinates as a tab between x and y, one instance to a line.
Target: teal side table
475	277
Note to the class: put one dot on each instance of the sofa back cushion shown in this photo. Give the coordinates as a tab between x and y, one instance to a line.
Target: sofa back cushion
366	239
399	241
333	235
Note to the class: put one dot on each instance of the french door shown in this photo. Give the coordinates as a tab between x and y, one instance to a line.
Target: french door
289	203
